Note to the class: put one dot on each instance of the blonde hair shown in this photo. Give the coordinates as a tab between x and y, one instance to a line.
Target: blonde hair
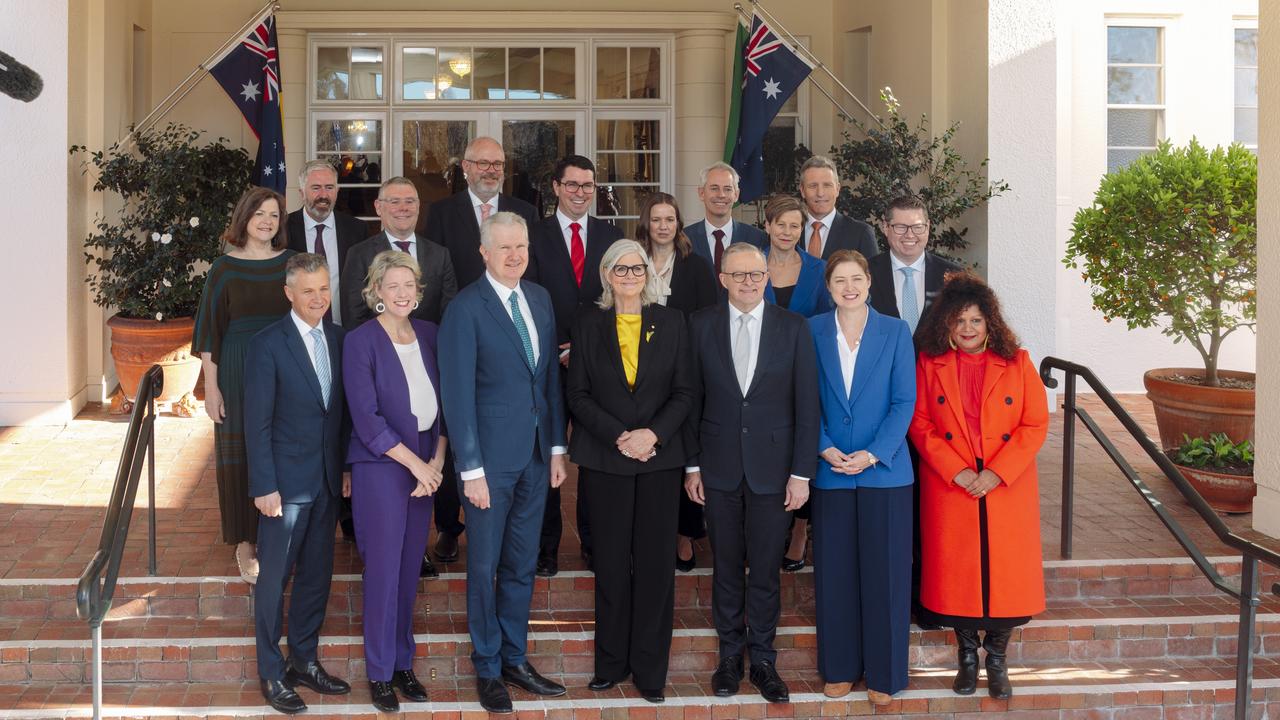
382	263
651	291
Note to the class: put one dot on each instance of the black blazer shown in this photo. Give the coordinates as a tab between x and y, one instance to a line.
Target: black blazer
451	222
351	230
883	298
771	433
846	234
550	267
602	405
438	282
693	284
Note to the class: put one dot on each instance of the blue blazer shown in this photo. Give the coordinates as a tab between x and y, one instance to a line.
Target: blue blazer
499	413
876	414
378	393
293	440
742	232
810	296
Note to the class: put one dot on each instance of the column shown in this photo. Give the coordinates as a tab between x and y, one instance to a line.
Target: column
293	92
1266	468
700	108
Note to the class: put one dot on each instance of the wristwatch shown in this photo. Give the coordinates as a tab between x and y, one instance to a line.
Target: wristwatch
873	458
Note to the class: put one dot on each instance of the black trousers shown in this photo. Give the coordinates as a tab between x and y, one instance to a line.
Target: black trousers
447	511
690	524
746	529
635	565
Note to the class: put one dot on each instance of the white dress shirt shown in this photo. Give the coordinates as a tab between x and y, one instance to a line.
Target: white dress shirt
711	238
476	202
422	394
309	342
899	279
565	221
330	237
826	221
848	358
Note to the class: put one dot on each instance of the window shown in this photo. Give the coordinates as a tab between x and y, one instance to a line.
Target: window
627	157
488	73
353	143
1246	80
1135	93
348	72
628	73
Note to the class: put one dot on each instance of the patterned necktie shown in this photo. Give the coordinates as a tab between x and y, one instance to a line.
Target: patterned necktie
742	351
485	210
321	356
328	314
815	239
910	303
719	236
402	244
521	329
577	252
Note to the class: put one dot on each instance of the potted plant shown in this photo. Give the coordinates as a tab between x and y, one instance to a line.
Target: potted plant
1220	470
149	258
1172	240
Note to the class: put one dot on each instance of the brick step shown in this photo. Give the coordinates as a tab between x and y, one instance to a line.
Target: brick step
1065	580
1156	690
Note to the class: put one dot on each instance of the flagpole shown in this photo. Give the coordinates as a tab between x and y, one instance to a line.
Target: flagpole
795	44
186	86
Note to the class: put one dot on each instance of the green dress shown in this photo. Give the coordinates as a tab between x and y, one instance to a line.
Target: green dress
240	298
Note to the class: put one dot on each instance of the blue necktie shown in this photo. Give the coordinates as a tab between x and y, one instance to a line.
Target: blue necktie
321	353
521	329
910	304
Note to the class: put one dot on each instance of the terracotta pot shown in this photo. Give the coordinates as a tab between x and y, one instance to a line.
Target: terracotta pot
138	344
1198	410
1224	493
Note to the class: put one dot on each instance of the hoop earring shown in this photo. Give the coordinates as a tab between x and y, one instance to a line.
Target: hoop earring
952	343
416	303
380	308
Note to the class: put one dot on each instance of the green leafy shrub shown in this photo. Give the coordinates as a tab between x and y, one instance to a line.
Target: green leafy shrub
1216	451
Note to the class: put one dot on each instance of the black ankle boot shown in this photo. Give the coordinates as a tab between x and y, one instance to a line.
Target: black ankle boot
966	681
996	643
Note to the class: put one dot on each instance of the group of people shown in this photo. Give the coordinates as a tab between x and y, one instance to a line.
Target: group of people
705	379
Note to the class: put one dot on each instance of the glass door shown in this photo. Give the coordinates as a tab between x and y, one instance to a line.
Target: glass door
429	147
534	142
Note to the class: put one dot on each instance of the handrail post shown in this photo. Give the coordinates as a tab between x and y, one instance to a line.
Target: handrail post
1068	463
97	669
1244	646
151	489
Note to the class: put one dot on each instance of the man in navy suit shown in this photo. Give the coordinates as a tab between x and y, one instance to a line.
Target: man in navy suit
717	230
317	220
758	427
564	257
500	385
294	410
825	230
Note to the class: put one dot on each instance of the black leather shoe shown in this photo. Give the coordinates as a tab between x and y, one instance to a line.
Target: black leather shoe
312	675
599	684
764	676
493	695
727	677
547	567
526	678
966	681
282	697
383	696
687	565
653	696
407	683
447	547
428	568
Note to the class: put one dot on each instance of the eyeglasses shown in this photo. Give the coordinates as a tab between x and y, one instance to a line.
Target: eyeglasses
624	270
741	277
397	202
919	229
487	164
587	187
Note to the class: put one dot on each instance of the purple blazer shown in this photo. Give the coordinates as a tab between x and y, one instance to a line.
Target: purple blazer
378	393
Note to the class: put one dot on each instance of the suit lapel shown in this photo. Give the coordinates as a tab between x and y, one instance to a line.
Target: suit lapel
870	351
612	346
830	355
770	336
649	334
724	339
298	349
948	372
544	320
996	366
498	311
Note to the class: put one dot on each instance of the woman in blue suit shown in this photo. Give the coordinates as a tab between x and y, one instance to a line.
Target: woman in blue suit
862	492
795	278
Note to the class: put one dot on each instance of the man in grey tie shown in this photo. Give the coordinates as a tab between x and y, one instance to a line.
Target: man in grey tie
757	428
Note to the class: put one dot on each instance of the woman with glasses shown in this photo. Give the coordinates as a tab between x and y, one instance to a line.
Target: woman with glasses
686	283
631	387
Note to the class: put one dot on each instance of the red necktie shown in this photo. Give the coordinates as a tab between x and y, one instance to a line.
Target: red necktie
402	244
577	252
719	236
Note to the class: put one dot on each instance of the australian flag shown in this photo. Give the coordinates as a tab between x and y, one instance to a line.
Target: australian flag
771	73
250	73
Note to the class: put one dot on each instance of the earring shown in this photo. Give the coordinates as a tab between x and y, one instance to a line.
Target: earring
416	303
380	308
952	343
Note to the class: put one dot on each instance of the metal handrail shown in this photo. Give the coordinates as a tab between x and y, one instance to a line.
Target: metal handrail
1253	548
97	583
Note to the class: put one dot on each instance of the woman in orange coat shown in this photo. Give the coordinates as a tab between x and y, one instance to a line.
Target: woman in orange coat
981	416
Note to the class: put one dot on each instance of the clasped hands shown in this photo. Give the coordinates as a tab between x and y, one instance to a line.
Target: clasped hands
638	444
429	476
850	464
977	484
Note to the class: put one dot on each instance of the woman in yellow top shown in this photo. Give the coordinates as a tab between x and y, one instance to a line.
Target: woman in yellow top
631	388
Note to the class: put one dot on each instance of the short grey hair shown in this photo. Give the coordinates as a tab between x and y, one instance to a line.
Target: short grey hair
382	263
304	263
739	248
397	180
820	161
718	165
505	218
651	291
313	166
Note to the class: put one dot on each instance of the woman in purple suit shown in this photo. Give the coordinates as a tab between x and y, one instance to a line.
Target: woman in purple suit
397	453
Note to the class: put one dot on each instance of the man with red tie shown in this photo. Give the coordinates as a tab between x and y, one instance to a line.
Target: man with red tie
711	235
564	257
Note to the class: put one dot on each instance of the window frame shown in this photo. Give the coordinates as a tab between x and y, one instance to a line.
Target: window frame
471	42
352	114
666	82
348	41
665	120
1161	25
1241	24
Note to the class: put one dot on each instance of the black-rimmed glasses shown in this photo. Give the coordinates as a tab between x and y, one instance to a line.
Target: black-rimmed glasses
624	270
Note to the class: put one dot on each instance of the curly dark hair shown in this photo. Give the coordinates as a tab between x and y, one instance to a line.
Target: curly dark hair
961	290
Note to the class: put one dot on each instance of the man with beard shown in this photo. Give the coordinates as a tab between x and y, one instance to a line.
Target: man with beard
317	228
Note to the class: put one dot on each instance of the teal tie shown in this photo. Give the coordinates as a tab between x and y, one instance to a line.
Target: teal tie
910	304
521	329
321	354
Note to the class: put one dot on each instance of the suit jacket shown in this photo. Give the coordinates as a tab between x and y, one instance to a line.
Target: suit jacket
551	267
883	297
378	393
439	284
742	232
488	390
771	432
873	414
603	406
452	223
350	229
294	442
845	234
693	284
810	296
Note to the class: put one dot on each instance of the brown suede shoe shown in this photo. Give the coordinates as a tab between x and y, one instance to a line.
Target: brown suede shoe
878	698
837	690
